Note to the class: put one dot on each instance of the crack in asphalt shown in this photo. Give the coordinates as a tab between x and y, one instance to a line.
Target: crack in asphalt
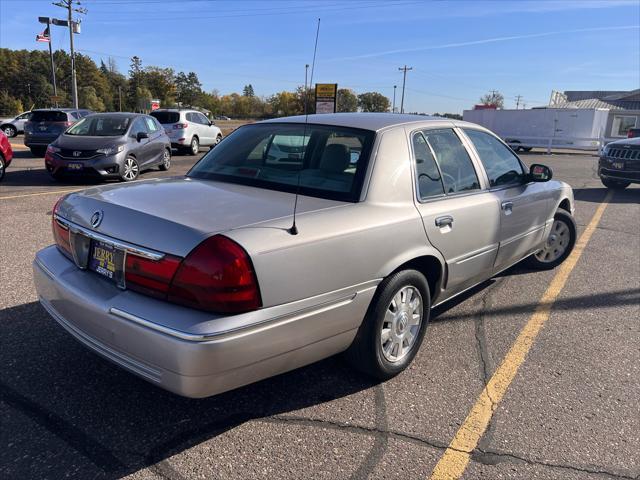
488	457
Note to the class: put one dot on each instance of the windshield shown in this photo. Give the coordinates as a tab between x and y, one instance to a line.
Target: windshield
100	126
166	117
48	116
325	161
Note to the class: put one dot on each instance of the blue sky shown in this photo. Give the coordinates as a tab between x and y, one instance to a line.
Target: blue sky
458	49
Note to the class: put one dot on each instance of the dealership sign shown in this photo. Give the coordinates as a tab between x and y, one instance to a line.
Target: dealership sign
326	97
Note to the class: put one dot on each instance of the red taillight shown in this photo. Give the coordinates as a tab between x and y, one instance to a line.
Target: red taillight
179	126
217	276
60	232
151	277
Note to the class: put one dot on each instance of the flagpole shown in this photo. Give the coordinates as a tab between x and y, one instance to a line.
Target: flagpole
53	67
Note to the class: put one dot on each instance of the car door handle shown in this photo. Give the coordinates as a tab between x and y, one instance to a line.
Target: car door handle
446	220
507	207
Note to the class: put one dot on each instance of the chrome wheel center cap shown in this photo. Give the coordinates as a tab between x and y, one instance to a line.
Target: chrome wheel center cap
401	323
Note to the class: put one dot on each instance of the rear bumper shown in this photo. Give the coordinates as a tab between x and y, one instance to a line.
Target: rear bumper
37	140
189	352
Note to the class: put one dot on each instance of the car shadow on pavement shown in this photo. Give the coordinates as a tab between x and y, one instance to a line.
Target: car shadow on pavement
597	195
96	420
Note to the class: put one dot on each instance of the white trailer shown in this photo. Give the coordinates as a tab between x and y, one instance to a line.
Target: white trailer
580	128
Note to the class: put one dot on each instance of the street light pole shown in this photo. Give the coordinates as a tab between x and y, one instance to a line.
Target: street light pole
68	5
393	109
404	69
306	90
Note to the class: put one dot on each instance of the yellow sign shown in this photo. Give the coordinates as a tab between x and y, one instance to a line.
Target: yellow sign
326	89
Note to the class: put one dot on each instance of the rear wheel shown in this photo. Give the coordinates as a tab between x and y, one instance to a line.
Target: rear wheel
2	167
194	146
38	151
614	184
129	170
9	130
166	160
559	244
395	324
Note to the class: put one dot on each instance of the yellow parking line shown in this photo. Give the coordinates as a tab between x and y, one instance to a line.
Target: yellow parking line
18	147
41	193
453	463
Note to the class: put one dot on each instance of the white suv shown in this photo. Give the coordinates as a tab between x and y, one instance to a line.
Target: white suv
13	126
188	129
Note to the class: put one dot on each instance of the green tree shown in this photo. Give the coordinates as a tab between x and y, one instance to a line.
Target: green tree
347	100
136	85
247	91
373	102
9	106
494	98
189	88
161	83
285	104
88	98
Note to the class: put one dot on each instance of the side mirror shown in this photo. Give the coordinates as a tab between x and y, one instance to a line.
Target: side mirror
141	135
540	173
211	122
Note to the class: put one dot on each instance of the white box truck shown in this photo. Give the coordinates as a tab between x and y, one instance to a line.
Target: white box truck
550	128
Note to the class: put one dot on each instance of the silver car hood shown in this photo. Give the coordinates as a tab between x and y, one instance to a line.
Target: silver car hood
173	215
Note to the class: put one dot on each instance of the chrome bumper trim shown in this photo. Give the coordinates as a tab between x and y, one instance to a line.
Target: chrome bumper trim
126	246
204	337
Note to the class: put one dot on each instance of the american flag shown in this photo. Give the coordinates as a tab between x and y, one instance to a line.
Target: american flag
44	36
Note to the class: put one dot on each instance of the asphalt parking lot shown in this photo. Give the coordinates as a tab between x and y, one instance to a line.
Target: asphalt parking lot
572	410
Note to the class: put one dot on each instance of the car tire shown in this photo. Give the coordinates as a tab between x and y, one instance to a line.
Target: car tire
38	151
379	347
559	244
614	184
194	146
166	160
129	170
2	167
9	130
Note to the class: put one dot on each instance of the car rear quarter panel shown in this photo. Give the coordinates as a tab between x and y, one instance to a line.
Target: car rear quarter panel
345	246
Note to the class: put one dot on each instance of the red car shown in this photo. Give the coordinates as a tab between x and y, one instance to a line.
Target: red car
6	153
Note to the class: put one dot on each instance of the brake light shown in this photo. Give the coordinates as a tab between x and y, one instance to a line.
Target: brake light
217	276
60	231
630	134
150	277
179	126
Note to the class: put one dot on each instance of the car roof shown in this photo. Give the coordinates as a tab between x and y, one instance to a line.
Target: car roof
117	114
366	121
177	110
58	110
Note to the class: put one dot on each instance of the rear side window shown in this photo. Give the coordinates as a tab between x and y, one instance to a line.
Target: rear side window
166	117
428	176
48	116
458	173
501	165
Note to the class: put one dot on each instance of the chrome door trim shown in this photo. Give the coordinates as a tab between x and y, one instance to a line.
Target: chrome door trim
122	245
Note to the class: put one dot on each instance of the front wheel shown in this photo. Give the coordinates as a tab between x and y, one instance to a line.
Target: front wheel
559	244
10	131
394	326
2	167
166	160
614	184
194	147
129	170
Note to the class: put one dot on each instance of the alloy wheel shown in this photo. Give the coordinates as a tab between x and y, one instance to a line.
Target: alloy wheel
166	159
130	169
401	324
556	244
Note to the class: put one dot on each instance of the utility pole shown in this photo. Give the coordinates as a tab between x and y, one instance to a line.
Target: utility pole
119	98
306	90
404	69
393	109
518	98
69	6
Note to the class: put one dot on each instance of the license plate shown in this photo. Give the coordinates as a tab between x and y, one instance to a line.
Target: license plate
75	166
43	129
618	165
105	260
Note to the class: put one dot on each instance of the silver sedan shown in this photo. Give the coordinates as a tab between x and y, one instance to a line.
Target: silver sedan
208	282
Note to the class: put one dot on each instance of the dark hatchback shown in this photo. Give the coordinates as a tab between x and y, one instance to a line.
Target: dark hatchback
619	164
109	146
45	125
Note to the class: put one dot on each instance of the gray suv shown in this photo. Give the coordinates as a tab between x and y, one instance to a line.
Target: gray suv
188	129
45	125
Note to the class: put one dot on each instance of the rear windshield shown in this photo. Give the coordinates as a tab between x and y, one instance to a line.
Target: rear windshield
100	126
48	116
325	161
166	117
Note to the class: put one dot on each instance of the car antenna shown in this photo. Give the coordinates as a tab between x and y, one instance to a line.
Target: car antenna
294	229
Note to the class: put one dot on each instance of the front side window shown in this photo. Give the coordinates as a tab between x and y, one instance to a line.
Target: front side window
458	173
151	124
138	127
325	161
500	163
427	173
